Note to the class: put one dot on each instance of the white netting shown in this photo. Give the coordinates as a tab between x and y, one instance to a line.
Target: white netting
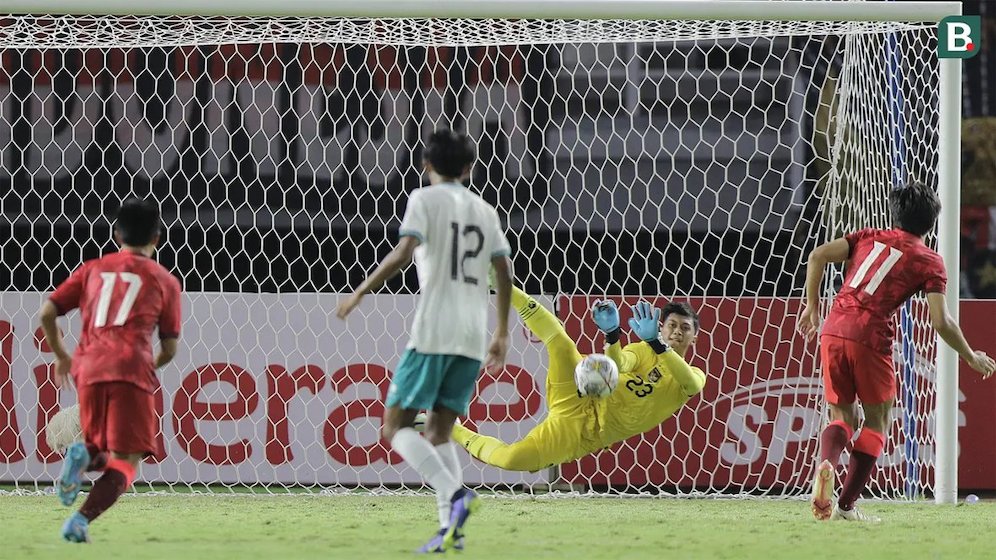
691	160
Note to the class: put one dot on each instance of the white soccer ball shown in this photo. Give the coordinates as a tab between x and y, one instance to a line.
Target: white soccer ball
64	429
596	376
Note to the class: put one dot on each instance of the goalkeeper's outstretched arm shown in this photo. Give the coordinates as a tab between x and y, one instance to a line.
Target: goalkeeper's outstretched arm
690	381
606	317
625	359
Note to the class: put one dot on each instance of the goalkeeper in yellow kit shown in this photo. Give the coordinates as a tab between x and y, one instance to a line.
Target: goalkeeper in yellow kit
654	382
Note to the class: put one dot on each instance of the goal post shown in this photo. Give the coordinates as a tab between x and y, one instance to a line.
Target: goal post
949	246
635	148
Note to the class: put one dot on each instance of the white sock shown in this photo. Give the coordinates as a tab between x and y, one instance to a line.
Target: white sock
448	453
423	457
451	458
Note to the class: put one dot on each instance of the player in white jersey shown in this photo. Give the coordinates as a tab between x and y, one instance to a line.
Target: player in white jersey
455	238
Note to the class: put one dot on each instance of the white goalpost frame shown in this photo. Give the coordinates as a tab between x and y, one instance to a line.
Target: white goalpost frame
950	72
949	246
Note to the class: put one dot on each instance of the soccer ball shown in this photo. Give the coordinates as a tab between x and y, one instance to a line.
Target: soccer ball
64	429
596	376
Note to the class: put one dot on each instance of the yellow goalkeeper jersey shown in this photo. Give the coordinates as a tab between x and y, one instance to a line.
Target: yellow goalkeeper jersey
651	388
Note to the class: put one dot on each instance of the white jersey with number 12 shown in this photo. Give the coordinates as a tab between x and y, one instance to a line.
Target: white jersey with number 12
459	234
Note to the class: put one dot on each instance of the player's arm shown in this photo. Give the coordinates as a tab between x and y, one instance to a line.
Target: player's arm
692	381
945	325
170	320
503	288
625	359
64	299
167	351
835	251
394	262
412	233
501	281
605	314
53	337
399	258
498	348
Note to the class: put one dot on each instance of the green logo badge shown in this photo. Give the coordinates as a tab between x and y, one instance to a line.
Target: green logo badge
959	37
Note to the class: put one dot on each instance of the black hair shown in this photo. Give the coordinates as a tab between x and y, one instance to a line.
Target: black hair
449	153
137	222
914	208
682	309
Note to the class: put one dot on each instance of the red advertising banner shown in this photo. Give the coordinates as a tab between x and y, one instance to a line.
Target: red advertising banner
266	405
977	411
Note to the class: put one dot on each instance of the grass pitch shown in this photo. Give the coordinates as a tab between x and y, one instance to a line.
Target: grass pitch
245	527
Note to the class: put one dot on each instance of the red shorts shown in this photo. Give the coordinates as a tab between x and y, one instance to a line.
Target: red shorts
119	417
852	369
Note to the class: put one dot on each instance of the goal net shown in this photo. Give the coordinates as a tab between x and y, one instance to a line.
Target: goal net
670	160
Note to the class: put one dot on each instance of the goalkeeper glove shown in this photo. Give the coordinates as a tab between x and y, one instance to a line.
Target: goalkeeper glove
646	321
606	315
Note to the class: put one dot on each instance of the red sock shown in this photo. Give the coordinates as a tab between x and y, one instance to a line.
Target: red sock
98	458
833	441
115	481
867	449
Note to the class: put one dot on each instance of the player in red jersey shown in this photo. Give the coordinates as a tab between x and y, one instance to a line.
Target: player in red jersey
884	269
123	297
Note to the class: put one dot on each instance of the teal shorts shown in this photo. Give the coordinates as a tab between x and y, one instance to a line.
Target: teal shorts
428	381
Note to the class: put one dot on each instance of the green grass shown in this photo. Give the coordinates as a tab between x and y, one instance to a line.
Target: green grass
187	527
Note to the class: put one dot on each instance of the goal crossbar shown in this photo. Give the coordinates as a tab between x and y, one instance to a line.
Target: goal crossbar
744	10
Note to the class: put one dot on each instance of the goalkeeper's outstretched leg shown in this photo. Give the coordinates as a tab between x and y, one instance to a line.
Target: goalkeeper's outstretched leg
561	392
548	328
554	441
557	439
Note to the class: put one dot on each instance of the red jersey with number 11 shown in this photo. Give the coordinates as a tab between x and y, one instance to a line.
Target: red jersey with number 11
122	298
884	269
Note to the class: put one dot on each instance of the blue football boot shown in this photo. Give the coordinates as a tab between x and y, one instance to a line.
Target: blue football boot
465	502
435	544
73	466
76	529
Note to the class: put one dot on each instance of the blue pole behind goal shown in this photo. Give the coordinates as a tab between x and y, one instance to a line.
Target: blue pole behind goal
897	122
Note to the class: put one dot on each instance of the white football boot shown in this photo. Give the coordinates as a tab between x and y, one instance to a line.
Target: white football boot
824	481
854	515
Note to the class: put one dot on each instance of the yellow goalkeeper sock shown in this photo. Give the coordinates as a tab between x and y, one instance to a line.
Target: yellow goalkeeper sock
519	456
481	447
520	301
538	319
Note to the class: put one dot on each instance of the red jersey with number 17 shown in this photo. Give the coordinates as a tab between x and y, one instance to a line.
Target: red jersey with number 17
122	298
885	267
